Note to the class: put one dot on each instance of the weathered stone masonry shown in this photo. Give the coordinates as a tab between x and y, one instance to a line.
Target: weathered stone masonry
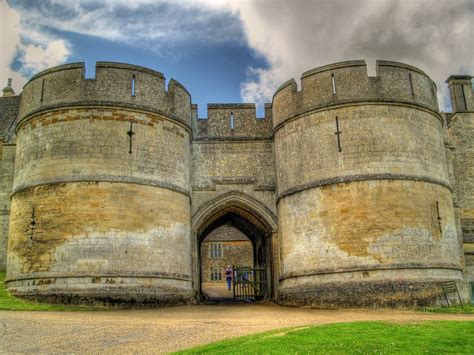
110	209
460	143
354	191
359	215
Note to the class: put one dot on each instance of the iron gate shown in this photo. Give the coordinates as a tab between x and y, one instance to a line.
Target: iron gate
249	284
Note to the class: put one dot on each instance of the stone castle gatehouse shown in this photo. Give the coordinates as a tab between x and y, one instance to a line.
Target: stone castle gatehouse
353	190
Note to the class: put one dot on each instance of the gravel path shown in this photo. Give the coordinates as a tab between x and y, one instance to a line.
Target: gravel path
169	329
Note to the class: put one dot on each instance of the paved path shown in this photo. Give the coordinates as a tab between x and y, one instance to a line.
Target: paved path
168	329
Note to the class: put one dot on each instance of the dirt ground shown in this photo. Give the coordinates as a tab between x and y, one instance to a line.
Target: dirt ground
216	290
169	329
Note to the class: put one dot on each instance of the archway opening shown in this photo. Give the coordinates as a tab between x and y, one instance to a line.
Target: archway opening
231	232
224	246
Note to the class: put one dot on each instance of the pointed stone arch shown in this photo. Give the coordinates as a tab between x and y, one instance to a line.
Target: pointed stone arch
246	213
237	202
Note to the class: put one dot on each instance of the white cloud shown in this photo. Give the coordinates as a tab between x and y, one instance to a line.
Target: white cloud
42	50
27	29
9	44
36	57
138	23
294	36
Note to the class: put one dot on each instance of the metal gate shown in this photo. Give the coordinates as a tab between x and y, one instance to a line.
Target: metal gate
249	284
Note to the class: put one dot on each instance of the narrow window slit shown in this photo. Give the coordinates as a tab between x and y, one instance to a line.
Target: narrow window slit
32	224
337	133
133	85
439	217
464	97
333	84
42	90
130	133
411	84
232	121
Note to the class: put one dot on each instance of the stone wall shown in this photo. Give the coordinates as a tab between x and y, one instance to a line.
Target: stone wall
369	214
239	159
219	167
461	134
340	242
100	241
233	121
376	140
93	144
7	162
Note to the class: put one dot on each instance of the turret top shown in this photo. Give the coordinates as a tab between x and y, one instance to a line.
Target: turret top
348	82
115	84
461	93
8	90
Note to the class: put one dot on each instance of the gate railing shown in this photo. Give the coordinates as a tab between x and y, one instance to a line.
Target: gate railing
249	284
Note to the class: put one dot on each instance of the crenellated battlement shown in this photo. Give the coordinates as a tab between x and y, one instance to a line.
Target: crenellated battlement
232	122
115	84
348	82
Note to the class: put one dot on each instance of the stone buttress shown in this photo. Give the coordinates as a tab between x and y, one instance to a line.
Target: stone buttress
101	195
365	209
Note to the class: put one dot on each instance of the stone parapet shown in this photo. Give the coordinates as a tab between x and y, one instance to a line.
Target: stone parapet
348	83
115	84
233	122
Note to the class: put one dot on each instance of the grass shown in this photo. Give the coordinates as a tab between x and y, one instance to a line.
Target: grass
468	309
435	337
8	302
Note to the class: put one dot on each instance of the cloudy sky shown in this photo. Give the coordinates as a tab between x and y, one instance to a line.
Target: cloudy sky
236	51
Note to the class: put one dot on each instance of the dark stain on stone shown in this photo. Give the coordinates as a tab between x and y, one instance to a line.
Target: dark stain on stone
362	294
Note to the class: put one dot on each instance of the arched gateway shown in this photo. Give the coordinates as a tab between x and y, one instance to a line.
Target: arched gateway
249	216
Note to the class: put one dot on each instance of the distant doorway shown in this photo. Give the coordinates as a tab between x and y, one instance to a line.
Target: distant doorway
230	239
225	245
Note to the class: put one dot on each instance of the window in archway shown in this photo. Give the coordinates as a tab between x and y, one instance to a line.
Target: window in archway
215	250
216	275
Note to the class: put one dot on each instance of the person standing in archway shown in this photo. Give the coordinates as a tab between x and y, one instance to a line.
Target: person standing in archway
228	275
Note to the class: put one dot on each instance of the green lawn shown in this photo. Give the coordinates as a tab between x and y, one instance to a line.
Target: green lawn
436	337
468	308
7	302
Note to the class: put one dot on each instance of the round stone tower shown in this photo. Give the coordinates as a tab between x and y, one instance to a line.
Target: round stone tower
364	206
101	197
